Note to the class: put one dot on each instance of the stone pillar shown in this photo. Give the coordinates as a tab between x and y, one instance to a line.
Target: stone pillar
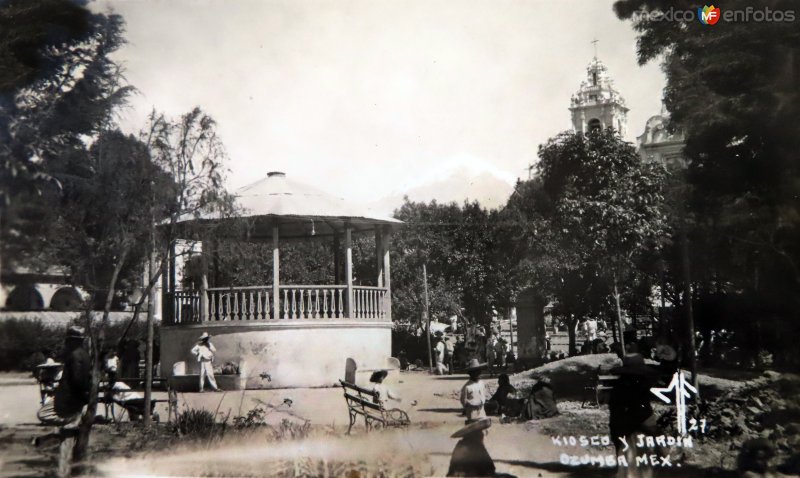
348	272
276	267
531	343
203	281
387	272
337	260
379	256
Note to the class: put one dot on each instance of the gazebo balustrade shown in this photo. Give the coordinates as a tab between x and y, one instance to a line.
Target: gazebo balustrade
294	302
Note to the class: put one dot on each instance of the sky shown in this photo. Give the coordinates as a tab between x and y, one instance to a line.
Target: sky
369	98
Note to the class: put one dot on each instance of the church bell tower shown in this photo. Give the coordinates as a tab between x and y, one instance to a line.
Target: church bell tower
597	105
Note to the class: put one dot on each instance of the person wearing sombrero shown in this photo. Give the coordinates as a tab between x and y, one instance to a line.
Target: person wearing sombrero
470	457
384	392
473	393
630	412
72	392
204	351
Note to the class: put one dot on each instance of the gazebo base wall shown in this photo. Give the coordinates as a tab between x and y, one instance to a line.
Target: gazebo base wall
299	354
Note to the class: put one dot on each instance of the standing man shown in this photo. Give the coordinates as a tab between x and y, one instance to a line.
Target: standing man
473	393
449	354
72	393
491	351
439	351
500	351
204	351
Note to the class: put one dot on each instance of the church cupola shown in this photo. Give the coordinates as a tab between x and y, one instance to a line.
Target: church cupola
597	105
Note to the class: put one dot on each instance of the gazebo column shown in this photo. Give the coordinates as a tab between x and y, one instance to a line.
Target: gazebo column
337	259
172	275
348	272
166	299
203	281
276	267
386	240
379	255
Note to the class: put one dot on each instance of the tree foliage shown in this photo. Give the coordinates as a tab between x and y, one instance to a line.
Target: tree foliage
460	247
59	91
593	210
738	110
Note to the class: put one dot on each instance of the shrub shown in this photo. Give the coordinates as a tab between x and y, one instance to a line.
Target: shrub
256	417
25	343
198	423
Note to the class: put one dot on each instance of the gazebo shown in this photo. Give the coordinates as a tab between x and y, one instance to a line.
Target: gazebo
299	335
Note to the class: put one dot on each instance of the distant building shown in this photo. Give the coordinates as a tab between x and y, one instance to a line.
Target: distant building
659	145
597	104
25	289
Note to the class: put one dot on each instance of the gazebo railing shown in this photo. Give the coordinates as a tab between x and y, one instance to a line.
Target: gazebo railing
295	302
312	302
369	302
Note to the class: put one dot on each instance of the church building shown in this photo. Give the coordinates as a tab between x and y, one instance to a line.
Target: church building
598	105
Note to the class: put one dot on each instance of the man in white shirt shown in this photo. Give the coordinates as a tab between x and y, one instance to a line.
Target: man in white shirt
473	393
440	349
204	351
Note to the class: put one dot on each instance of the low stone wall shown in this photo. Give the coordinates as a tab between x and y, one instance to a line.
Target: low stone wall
293	353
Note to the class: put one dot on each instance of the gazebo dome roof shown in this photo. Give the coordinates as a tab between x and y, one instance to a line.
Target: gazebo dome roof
299	210
277	195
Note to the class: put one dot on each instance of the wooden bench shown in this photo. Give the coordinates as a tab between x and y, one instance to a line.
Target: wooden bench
137	385
602	383
361	401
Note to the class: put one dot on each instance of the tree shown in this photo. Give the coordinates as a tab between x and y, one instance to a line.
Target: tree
738	111
595	208
58	91
58	87
189	151
459	246
104	214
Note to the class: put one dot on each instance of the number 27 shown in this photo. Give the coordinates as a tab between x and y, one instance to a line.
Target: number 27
693	425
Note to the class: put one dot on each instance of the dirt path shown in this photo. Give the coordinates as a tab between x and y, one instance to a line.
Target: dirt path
520	449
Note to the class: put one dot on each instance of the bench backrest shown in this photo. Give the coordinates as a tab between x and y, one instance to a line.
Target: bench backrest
361	395
353	400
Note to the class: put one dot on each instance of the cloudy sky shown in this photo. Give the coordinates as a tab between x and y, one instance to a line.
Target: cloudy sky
369	98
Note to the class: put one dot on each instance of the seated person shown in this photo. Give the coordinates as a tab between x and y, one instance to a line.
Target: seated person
384	392
132	401
503	401
121	392
541	403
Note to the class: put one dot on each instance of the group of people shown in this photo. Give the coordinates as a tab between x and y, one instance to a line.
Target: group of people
72	386
470	457
505	402
451	352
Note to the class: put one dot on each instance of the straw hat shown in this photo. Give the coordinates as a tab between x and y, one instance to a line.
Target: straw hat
475	365
378	375
205	336
476	426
